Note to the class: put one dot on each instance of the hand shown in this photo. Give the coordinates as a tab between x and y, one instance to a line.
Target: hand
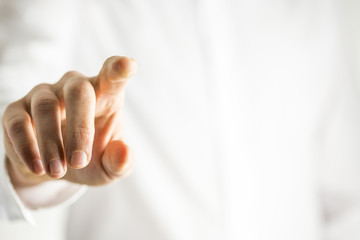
71	129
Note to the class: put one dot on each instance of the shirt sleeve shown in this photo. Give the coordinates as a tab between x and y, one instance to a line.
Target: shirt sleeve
11	207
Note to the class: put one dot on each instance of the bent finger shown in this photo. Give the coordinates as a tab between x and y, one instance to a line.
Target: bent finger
46	114
79	98
19	130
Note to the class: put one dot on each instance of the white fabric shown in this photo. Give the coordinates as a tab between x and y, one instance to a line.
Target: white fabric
11	207
244	115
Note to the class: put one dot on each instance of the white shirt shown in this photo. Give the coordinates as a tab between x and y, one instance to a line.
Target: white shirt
244	116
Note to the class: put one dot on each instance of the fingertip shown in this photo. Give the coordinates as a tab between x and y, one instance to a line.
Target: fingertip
119	156
79	159
114	75
118	159
38	168
124	67
56	169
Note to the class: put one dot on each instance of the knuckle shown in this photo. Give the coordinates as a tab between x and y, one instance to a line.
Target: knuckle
83	130
11	109
50	144
38	89
16	126
80	89
44	104
72	74
7	112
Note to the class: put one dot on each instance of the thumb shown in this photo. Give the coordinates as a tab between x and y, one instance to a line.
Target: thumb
114	75
117	160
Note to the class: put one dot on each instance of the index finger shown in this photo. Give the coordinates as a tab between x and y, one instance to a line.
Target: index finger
114	75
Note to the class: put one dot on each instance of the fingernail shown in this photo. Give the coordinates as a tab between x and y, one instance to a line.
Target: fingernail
38	167
78	159
56	167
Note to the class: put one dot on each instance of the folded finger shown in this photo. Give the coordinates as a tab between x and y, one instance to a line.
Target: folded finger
46	114
19	129
79	98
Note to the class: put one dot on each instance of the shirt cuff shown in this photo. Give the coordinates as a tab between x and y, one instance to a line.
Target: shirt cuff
17	204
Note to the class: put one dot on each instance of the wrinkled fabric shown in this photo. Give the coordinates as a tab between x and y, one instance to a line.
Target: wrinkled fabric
243	116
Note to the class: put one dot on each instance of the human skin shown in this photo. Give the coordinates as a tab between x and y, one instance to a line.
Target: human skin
71	129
